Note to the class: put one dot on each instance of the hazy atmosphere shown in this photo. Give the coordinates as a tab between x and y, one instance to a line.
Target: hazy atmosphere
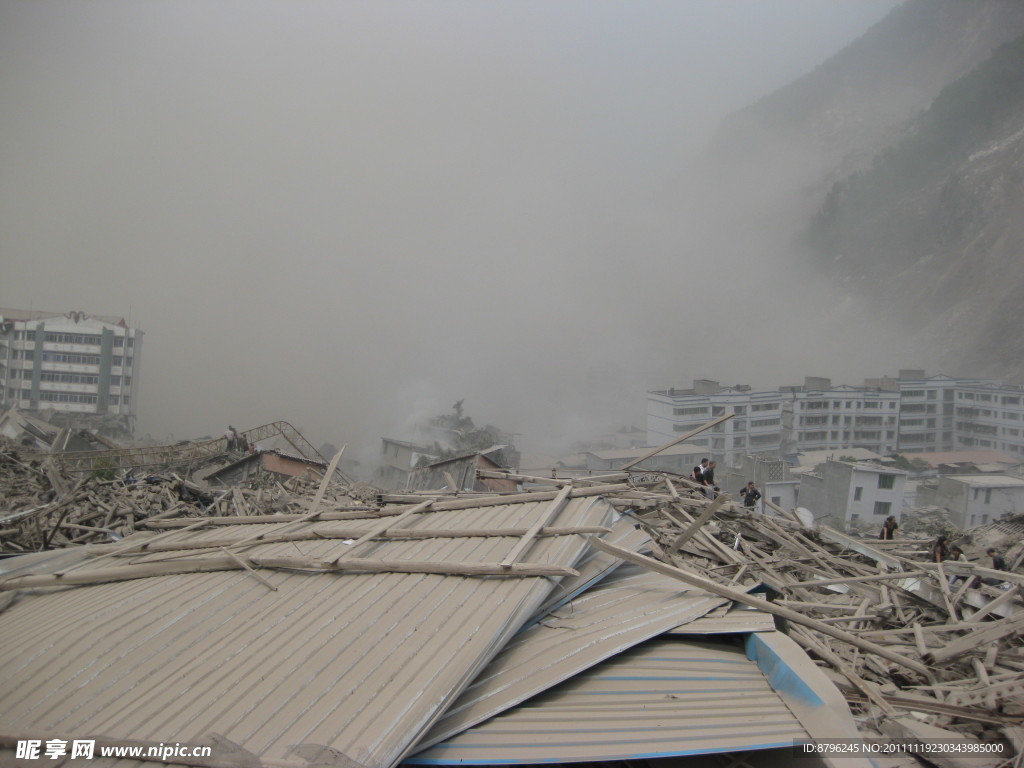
348	215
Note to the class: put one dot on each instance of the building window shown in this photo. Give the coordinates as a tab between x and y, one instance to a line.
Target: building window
703	409
857	493
886	481
882	507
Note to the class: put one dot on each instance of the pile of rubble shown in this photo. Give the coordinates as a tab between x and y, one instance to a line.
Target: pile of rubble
919	650
45	507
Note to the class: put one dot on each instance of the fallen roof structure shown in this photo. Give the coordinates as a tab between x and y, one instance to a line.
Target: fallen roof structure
664	698
306	645
355	629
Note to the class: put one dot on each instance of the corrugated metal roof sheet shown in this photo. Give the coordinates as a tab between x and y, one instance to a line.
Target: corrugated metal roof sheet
667	697
628	607
728	619
596	564
359	663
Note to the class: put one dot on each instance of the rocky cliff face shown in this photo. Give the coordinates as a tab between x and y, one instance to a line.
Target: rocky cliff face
896	171
934	229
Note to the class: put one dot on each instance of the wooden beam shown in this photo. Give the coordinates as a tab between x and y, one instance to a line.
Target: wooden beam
806	639
704	516
314	534
976	640
1007	597
784	512
384	525
230	562
325	481
678	440
366	565
859	579
556	506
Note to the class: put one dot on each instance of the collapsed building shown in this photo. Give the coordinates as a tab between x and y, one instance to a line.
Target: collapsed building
617	618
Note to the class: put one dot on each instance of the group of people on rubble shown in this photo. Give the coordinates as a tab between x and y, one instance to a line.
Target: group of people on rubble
943	551
236	441
704	476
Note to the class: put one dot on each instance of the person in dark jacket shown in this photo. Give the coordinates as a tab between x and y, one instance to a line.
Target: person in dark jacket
998	561
750	495
889	528
711	491
940	550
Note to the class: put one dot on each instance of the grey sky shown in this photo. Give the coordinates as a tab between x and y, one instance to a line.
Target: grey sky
345	214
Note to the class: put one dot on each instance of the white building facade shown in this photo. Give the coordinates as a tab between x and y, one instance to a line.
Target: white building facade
73	364
843	494
990	416
975	500
819	416
756	426
913	413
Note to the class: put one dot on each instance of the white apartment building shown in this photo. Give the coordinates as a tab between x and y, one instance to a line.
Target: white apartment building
756	427
819	416
913	413
75	365
975	499
841	494
926	409
989	415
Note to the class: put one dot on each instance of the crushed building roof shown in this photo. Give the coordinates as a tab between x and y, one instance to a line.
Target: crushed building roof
294	625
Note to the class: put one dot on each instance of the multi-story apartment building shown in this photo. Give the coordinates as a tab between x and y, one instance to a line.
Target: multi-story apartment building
989	415
926	418
755	427
78	366
912	413
818	416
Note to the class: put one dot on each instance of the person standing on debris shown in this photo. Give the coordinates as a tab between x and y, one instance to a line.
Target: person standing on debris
957	556
940	550
998	561
889	528
750	495
698	472
709	480
229	435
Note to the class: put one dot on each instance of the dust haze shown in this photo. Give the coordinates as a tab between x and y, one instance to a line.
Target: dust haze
347	215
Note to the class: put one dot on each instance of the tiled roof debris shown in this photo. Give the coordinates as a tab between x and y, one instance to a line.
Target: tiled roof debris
294	625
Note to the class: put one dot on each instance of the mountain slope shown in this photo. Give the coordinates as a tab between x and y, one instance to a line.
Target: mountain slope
883	188
935	228
833	120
